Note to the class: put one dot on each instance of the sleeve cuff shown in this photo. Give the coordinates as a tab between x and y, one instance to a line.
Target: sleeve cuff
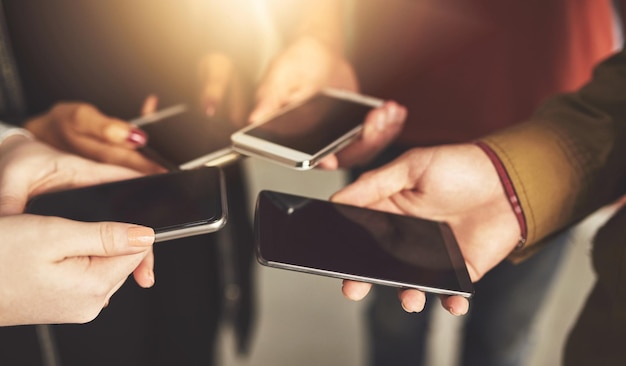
7	131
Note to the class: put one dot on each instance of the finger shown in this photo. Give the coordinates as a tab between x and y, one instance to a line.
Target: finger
329	162
13	195
144	273
380	128
455	305
79	172
149	105
378	184
89	121
101	239
412	301
117	155
354	290
266	105
12	204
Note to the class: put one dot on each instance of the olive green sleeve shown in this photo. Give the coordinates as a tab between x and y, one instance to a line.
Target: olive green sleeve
570	158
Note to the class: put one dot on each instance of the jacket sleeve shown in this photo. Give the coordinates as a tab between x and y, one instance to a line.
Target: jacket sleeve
569	159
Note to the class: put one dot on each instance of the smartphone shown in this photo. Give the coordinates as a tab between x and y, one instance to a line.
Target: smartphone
182	138
300	135
176	204
324	238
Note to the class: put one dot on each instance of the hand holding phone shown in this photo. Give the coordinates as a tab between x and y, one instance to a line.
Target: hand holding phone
175	205
301	135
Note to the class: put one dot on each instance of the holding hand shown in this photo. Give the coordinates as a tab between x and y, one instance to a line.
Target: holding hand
457	184
57	270
54	270
308	66
82	129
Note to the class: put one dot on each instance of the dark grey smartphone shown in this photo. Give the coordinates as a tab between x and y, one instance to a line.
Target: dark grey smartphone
182	138
348	242
175	205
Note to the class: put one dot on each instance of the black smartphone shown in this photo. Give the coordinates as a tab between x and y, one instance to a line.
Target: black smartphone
175	204
348	242
300	135
180	137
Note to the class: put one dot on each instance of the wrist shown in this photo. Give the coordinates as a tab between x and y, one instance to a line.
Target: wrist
509	190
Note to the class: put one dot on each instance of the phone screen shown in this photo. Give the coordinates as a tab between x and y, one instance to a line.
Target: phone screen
186	136
313	125
350	242
174	204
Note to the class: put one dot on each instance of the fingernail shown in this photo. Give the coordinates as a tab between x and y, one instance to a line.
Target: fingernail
139	236
150	275
454	312
381	122
137	137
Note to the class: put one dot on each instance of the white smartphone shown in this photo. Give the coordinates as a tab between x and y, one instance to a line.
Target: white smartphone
182	138
300	135
175	205
330	239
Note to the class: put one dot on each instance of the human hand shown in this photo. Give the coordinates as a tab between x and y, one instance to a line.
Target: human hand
381	127
304	68
54	270
455	183
30	167
82	129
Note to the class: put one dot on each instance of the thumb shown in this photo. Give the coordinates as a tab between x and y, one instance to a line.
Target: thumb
107	239
13	198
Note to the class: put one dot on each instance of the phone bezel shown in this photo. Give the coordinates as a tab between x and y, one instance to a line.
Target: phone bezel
246	144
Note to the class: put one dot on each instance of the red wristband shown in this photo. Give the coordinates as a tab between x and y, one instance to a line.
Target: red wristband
509	190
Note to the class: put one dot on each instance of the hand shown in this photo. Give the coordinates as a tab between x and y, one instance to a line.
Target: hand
30	167
305	68
300	71
82	129
54	270
380	128
455	183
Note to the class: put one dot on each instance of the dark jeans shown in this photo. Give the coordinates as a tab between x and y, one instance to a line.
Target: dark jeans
496	330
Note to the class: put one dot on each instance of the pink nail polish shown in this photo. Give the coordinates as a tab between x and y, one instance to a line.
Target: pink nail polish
137	137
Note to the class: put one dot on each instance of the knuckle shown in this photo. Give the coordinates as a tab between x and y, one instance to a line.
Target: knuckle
107	237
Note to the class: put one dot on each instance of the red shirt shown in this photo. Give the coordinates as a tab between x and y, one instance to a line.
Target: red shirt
464	68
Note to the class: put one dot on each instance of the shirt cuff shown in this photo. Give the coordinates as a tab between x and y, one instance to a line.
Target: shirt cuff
7	131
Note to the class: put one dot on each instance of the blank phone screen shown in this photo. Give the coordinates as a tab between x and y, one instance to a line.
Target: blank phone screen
341	239
164	201
181	138
313	125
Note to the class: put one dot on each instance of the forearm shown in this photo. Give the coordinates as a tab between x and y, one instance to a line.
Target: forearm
570	158
323	20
